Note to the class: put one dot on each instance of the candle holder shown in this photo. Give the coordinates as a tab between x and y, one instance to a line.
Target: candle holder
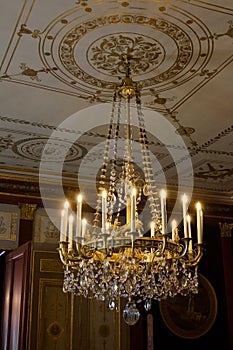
198	253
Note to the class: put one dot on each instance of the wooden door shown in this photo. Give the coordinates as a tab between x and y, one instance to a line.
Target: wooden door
15	296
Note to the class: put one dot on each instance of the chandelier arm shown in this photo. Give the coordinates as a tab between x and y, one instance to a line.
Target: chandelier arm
160	252
84	252
66	258
184	248
193	262
63	252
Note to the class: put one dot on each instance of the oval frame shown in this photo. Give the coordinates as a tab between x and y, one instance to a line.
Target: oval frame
195	320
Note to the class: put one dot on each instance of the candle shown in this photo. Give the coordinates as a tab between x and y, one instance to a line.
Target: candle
62	238
65	220
133	209
189	232
163	211
188	218
152	229
71	219
104	211
199	223
184	200
79	216
84	227
174	225
201	220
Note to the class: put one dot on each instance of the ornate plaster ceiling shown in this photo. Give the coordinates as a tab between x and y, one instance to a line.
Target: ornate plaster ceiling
60	61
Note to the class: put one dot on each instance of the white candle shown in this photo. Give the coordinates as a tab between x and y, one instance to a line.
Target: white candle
201	235
199	229
152	229
65	221
84	227
188	218
133	209
189	232
62	238
163	211
71	220
79	216
184	201
174	225
104	211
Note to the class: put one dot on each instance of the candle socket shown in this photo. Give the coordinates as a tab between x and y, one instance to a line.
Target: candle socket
79	243
63	251
184	247
162	246
197	256
63	245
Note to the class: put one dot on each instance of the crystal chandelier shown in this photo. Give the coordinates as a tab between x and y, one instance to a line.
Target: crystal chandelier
112	258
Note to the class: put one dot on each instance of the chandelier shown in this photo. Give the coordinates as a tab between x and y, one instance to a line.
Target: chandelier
113	257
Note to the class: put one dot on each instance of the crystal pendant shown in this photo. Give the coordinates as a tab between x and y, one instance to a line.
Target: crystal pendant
147	304
131	313
111	305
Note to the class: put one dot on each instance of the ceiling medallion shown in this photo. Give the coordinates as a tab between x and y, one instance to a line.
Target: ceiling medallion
55	149
79	46
106	54
172	34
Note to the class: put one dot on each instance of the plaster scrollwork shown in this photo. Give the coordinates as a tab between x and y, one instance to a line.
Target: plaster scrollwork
144	53
226	229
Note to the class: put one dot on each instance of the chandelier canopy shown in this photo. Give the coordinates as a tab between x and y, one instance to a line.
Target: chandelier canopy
114	257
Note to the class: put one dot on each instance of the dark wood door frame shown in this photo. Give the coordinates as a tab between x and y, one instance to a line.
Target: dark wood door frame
15	297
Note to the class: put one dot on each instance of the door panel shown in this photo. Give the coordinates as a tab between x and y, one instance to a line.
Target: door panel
15	298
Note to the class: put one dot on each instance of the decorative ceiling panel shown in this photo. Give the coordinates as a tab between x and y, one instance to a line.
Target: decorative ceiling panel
60	61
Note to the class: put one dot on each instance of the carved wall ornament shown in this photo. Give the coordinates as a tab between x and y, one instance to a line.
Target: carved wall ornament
55	330
9	226
27	211
226	229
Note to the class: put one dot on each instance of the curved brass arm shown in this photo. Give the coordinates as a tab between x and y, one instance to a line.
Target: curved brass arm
184	248
197	258
161	246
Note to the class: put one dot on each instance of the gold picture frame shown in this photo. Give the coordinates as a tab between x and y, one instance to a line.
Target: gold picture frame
191	316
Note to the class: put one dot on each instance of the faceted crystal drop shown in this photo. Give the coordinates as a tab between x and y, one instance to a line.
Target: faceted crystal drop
111	305
147	304
131	314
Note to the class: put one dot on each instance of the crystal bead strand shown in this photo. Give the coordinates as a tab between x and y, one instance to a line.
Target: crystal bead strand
102	181
153	196
113	169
